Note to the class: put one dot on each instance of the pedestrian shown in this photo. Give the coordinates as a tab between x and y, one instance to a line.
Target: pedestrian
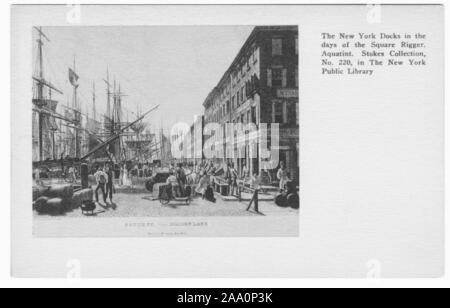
62	162
121	175
212	176
203	183
109	183
173	185
146	170
126	179
193	178
140	171
267	173
181	178
101	178
282	176
255	181
245	171
227	175
233	182
134	176
37	176
209	166
72	175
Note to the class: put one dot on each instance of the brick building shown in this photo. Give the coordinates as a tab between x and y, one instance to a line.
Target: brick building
261	86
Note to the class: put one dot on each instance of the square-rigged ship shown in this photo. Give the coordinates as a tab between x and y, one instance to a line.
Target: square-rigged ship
64	137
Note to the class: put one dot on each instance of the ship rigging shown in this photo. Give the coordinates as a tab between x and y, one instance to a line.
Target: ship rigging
70	136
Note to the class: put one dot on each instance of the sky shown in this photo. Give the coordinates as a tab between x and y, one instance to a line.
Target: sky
173	66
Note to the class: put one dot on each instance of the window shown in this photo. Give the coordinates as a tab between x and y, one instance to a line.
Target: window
277	46
277	115
255	56
253	115
292	113
277	77
237	98
284	78
242	94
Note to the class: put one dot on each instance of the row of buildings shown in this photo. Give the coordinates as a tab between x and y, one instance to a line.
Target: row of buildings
260	86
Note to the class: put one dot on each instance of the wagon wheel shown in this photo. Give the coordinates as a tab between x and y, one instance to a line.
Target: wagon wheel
164	198
149	186
164	201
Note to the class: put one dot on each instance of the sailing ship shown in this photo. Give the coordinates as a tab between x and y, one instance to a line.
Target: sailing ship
63	134
44	107
56	135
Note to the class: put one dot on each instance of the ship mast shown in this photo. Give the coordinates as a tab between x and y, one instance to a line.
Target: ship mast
94	111
40	100
107	119
108	95
117	116
77	114
113	116
41	63
40	87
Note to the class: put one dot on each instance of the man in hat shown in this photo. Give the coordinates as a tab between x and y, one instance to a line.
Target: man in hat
102	178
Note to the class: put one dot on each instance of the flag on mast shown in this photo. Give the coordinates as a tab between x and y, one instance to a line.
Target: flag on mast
73	78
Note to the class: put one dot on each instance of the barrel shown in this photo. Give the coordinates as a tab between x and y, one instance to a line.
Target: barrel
40	205
81	196
293	201
39	191
36	193
63	191
55	206
281	200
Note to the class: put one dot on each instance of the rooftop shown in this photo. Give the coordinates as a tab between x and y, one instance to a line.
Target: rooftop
248	42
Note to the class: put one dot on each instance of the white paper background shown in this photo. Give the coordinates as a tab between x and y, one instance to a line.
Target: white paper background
371	160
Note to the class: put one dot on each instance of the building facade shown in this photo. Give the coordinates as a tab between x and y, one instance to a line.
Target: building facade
260	86
193	141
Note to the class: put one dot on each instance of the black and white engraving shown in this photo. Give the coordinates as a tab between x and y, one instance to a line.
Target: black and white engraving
165	122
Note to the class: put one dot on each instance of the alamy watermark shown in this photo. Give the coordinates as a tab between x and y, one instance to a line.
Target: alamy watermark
228	140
